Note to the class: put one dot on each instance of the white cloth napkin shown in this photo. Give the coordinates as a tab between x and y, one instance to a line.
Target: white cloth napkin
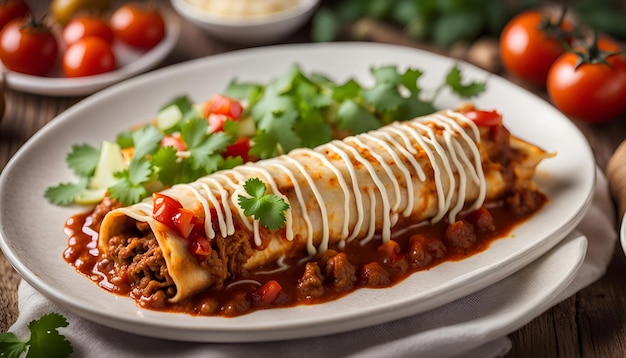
448	331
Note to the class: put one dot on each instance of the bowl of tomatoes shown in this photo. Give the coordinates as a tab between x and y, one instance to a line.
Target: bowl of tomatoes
248	22
85	52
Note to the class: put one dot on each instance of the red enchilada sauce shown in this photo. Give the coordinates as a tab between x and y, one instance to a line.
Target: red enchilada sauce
329	277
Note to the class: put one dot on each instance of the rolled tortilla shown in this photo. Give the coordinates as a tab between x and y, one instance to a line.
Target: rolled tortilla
363	187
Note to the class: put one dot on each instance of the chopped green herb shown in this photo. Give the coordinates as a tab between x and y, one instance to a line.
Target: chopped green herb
269	209
44	341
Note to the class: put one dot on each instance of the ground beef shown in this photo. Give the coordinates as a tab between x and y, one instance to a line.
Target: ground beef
423	250
342	272
374	275
524	202
97	215
311	284
460	234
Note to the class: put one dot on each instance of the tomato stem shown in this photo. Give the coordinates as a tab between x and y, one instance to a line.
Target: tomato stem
592	54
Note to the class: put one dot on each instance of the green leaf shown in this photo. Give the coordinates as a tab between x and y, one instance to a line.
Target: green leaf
45	340
410	80
64	193
82	159
352	117
11	346
384	97
455	81
269	209
166	165
146	141
264	145
325	26
452	27
130	190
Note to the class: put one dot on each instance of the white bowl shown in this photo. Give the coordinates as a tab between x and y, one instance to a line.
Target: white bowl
262	29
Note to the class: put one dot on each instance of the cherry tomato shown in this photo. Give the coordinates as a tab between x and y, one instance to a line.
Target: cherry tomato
220	104
592	91
83	26
88	56
138	26
529	45
64	10
11	10
28	47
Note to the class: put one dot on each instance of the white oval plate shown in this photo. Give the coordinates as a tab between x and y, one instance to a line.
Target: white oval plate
32	235
130	62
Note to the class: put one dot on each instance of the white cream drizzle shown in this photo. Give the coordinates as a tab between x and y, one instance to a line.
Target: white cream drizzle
448	139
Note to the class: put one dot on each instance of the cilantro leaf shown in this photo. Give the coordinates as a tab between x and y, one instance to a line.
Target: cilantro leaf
269	209
204	147
455	82
165	163
264	145
130	189
352	117
82	159
64	193
44	341
147	141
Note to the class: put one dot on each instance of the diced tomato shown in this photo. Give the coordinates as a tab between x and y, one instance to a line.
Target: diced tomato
221	104
484	118
164	208
174	141
241	148
184	222
200	245
216	122
266	294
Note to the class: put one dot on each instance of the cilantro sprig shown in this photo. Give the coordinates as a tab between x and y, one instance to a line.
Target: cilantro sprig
269	209
44	340
296	110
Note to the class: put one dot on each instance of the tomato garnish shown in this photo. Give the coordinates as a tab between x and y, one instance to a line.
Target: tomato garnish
220	104
200	245
216	121
240	148
184	222
266	294
174	141
484	118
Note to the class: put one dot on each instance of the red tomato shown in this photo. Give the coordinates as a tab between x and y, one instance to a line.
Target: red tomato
266	294
137	25
216	122
240	148
592	91
184	222
200	245
88	56
528	48
164	208
221	104
83	26
174	141
28	47
484	118
11	10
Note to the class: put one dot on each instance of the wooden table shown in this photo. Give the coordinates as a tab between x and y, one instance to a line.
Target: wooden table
591	323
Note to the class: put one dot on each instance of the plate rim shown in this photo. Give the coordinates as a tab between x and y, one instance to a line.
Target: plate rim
138	81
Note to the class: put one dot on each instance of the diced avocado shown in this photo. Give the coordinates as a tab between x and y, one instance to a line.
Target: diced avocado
109	162
168	117
90	196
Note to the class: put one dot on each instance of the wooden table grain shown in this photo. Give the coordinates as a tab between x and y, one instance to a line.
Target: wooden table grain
592	323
